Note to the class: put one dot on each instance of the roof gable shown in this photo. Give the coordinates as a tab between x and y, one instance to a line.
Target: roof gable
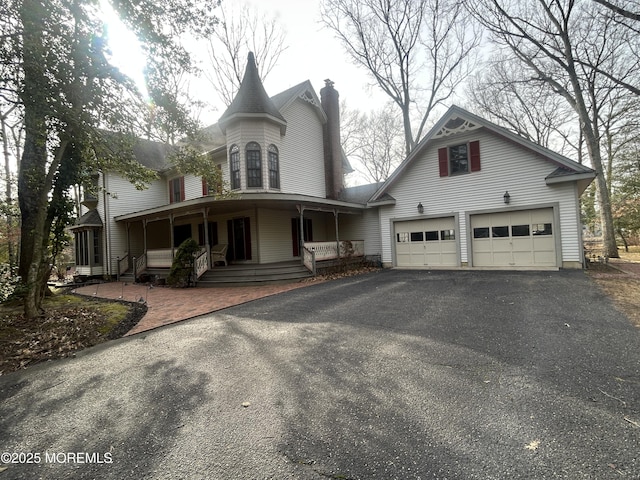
458	120
303	91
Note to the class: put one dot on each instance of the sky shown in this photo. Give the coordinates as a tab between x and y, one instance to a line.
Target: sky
312	53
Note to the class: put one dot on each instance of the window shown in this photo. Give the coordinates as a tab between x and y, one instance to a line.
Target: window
520	231
481	232
542	229
458	159
417	236
88	247
431	236
234	161
403	237
274	167
176	190
499	232
254	165
447	234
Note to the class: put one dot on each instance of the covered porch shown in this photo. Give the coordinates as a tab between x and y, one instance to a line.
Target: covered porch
250	230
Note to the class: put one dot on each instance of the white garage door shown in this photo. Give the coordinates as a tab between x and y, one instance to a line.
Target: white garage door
514	239
421	243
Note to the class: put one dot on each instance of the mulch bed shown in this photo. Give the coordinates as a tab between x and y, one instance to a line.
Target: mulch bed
60	333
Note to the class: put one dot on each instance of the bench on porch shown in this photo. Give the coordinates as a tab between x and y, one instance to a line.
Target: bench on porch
219	253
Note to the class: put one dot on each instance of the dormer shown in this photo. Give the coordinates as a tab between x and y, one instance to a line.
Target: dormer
253	127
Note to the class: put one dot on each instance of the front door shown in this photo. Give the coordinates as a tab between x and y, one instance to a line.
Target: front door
239	236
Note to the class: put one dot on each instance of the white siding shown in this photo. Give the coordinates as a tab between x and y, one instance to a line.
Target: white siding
302	152
275	235
504	167
192	187
362	227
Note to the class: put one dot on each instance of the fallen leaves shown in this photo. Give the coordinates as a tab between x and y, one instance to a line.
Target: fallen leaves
533	446
63	331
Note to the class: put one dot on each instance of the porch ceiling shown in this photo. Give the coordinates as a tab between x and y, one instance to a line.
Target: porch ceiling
244	201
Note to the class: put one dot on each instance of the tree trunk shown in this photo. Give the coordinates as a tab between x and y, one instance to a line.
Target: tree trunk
609	246
33	181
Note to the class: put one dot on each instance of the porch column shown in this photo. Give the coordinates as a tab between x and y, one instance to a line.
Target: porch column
144	234
171	232
205	214
335	216
301	235
128	240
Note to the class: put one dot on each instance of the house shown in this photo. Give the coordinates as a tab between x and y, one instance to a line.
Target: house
471	194
282	159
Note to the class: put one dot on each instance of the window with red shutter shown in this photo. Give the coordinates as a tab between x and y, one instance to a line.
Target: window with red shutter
458	159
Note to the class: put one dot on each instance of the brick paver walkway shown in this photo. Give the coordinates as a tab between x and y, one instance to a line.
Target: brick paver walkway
170	305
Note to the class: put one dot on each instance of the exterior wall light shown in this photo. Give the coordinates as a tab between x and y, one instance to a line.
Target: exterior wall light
420	208
506	197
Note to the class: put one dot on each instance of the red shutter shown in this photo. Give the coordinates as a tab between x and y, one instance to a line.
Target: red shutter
182	189
443	162
170	191
205	189
474	151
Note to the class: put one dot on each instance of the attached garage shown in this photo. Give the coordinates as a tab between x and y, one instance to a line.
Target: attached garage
524	238
429	242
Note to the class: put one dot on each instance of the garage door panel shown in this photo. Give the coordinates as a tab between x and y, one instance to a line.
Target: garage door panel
429	242
513	239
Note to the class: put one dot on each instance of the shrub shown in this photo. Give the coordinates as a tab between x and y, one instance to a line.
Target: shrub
182	265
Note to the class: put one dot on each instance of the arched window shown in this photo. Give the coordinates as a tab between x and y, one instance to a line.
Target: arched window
254	165
234	160
274	167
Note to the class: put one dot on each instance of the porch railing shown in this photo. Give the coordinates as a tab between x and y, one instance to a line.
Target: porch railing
123	264
201	263
309	259
329	250
160	258
139	266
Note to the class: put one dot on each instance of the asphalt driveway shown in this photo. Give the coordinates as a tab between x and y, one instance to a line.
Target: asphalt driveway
397	374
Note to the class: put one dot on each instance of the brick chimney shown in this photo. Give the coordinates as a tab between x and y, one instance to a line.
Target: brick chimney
334	174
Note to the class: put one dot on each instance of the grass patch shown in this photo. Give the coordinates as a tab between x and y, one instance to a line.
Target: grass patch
633	255
70	323
621	287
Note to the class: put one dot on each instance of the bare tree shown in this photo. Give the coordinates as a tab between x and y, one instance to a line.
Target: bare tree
623	11
417	51
567	44
375	140
503	93
10	134
240	31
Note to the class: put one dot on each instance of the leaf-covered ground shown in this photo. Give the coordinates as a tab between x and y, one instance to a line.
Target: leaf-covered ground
70	323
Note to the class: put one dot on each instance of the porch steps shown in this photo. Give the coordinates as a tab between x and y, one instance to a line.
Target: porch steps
251	274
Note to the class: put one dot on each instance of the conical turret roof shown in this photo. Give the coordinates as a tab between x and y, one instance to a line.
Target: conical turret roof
251	101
